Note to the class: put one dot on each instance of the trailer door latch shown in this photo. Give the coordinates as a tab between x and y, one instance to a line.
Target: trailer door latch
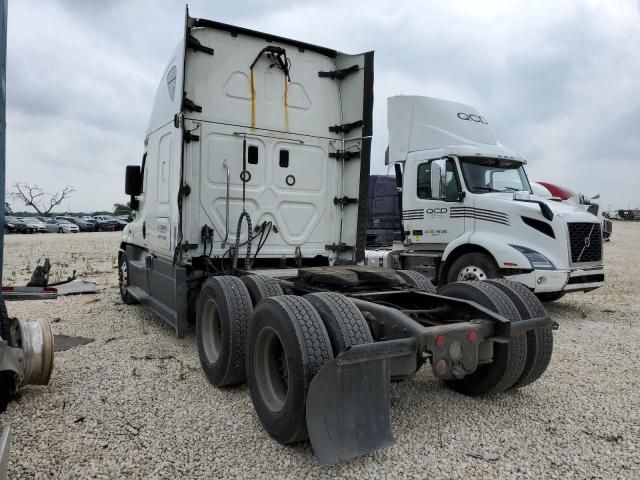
344	200
185	190
190	137
191	105
194	44
346	127
339	74
344	154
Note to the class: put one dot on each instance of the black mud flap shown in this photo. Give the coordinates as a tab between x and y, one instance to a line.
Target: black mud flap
348	402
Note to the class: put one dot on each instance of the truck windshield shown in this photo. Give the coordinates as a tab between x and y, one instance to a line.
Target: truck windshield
483	175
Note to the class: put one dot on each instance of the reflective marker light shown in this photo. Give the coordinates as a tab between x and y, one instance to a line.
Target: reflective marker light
441	366
455	350
440	341
472	336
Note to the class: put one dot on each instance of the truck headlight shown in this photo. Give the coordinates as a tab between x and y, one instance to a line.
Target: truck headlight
537	260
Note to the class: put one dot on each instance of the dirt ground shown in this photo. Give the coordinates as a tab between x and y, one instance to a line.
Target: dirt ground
135	404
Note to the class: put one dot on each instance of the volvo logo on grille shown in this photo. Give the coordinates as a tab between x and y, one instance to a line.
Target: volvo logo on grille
587	242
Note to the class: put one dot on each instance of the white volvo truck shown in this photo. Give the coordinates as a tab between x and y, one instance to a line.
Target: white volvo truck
468	210
250	222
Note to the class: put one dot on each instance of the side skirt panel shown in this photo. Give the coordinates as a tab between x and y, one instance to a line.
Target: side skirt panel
160	285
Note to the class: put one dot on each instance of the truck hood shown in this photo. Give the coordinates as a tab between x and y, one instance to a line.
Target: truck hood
558	208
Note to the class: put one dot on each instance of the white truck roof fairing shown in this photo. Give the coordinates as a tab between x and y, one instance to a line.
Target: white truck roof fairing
168	99
246	120
419	123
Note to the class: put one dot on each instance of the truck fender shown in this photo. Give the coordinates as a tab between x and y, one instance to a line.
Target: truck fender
454	244
504	255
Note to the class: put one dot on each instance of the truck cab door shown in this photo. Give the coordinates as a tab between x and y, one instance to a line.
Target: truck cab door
428	219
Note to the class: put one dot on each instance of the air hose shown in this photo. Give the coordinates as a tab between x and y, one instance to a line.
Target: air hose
247	260
245	176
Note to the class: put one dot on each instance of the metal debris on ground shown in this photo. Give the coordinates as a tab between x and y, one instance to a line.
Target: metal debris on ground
65	342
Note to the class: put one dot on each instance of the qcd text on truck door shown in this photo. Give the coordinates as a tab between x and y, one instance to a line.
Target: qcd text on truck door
437	190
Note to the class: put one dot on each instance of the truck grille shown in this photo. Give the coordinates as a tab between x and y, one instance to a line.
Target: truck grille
585	240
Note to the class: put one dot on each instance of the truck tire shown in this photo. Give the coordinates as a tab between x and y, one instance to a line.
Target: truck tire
344	322
549	296
261	287
539	340
417	279
123	279
508	358
472	266
287	345
223	312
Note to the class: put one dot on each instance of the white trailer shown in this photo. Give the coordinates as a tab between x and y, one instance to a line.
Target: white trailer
469	212
250	222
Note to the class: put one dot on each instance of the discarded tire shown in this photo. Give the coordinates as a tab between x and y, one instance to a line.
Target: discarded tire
344	322
36	341
287	344
223	312
508	358
539	340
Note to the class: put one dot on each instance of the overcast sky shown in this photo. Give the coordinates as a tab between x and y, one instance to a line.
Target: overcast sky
558	80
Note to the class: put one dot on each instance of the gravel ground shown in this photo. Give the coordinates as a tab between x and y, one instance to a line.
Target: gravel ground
134	403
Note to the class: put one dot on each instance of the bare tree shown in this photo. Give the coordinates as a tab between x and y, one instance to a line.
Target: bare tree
36	198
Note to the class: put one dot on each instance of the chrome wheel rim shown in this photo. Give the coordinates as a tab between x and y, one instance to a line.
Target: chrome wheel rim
124	277
471	273
36	341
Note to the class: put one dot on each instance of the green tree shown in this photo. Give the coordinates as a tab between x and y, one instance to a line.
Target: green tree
7	209
121	209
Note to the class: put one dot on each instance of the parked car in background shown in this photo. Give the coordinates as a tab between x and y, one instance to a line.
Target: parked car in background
90	219
101	225
15	225
83	225
61	226
117	223
35	223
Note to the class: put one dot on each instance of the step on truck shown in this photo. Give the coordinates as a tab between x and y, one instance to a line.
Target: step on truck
469	212
250	222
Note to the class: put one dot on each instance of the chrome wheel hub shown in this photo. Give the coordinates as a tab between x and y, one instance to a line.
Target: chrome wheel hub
470	273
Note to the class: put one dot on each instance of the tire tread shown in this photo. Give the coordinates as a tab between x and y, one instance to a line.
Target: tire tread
343	320
539	340
499	376
417	279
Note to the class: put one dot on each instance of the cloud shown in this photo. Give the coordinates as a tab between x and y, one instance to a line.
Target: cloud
558	81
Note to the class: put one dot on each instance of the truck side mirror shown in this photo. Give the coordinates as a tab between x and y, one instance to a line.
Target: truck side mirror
133	181
439	178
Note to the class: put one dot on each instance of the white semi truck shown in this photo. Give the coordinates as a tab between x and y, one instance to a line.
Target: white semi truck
250	222
468	210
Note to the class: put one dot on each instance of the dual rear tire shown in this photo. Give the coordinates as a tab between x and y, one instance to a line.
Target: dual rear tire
520	361
290	338
247	329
